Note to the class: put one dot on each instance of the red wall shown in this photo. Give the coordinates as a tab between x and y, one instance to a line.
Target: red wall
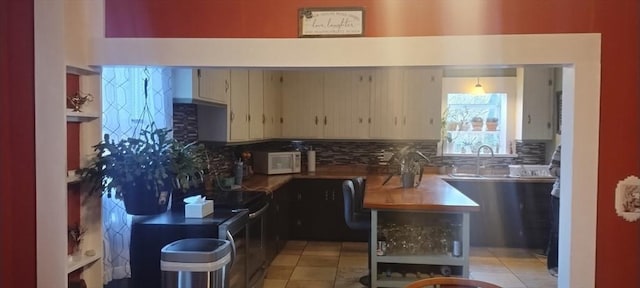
17	146
618	242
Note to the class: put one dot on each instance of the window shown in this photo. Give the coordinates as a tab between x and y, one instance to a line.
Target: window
475	120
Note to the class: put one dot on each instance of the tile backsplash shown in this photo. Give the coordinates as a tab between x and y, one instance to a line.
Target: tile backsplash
340	152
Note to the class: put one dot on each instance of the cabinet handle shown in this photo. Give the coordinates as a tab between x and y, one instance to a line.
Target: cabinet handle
226	86
326	195
431	121
548	125
232	116
299	196
325	120
360	120
404	120
370	78
281	120
521	206
369	120
333	195
248	117
395	121
264	119
361	78
316	120
529	119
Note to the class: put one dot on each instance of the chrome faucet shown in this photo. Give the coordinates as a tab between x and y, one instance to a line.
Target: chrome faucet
478	156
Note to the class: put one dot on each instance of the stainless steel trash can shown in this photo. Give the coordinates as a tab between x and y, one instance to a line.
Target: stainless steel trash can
196	263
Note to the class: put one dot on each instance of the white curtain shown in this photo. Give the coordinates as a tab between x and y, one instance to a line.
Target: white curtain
123	102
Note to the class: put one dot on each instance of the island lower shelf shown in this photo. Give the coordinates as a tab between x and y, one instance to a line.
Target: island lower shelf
408	245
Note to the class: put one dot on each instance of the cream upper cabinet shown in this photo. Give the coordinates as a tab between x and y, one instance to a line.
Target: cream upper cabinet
272	87
362	83
239	105
302	104
421	103
534	103
339	104
256	105
386	104
215	85
201	86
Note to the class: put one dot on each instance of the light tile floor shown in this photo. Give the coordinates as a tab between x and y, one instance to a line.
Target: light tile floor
341	264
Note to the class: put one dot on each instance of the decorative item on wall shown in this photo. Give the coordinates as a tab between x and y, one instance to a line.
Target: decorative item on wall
78	99
331	22
75	235
627	201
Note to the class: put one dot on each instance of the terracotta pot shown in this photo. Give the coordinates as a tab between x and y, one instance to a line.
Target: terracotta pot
492	126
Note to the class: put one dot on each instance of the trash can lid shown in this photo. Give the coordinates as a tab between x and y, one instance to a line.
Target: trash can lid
196	250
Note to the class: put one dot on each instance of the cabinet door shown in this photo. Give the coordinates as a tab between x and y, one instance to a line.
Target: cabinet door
362	90
537	102
535	211
239	106
339	104
272	104
422	103
302	104
257	118
386	104
214	85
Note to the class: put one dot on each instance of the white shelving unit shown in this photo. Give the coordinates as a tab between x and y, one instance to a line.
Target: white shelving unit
84	261
88	265
80	116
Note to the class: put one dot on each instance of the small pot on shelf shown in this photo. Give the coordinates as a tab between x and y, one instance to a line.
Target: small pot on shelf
492	124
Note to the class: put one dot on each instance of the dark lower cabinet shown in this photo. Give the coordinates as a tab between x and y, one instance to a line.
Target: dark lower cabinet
512	214
317	212
277	228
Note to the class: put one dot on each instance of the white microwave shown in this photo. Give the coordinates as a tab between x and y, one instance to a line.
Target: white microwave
276	162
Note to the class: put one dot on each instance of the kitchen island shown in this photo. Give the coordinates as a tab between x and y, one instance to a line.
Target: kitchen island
418	228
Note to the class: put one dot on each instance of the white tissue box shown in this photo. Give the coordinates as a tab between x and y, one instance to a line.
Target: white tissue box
198	210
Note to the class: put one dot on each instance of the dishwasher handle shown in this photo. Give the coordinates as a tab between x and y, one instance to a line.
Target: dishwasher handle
259	212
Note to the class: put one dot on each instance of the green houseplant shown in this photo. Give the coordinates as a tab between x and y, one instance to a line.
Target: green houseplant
144	171
410	162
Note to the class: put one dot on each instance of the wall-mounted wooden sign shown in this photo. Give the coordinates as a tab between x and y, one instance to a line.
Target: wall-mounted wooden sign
330	22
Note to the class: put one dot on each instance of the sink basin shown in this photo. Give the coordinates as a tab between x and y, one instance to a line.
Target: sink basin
494	176
465	175
472	175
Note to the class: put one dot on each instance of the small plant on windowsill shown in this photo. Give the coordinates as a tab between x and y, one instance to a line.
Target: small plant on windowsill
492	123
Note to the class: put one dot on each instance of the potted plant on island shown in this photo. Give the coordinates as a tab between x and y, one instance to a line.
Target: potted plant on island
144	171
410	165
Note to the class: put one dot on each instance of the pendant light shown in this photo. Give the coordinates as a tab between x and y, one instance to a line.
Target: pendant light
478	89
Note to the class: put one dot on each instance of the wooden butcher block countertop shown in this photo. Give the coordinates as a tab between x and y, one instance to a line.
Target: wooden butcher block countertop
433	194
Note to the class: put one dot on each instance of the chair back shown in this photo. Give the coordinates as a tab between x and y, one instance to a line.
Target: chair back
348	193
450	282
356	220
358	195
